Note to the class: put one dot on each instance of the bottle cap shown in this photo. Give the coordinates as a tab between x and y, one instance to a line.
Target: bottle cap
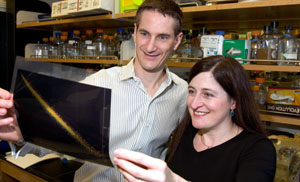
88	31
99	30
255	32
64	33
63	37
121	30
255	88
45	39
51	38
274	24
220	32
76	32
260	80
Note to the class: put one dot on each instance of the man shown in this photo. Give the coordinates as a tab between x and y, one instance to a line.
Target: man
147	99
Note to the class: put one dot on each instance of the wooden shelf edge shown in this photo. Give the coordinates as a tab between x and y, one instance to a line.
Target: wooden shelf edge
241	5
169	63
194	9
278	118
271	68
66	21
83	61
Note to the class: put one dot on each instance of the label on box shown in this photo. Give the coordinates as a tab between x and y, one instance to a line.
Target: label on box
284	100
56	8
83	5
212	45
72	6
238	49
64	7
95	4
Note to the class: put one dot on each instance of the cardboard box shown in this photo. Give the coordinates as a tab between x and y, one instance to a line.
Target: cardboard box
238	49
212	45
286	100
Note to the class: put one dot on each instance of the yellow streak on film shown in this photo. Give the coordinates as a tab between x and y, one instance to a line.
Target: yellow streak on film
58	118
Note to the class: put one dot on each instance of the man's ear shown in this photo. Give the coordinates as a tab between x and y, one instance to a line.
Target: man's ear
134	33
178	40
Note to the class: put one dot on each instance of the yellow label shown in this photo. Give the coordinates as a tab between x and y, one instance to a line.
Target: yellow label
127	2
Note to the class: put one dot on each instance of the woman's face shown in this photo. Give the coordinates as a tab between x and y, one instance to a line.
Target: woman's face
208	103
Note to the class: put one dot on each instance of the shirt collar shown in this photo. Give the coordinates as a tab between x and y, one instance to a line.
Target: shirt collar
128	72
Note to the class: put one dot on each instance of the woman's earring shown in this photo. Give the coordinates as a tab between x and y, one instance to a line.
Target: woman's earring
232	112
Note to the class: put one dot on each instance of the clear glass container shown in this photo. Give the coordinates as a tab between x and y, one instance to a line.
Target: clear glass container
288	46
255	44
267	49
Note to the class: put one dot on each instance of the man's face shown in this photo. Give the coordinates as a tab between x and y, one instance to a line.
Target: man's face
155	40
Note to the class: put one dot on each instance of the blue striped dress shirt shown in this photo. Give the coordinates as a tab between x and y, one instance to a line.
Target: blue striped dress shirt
138	122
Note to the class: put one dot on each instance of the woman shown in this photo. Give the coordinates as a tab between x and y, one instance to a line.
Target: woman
220	138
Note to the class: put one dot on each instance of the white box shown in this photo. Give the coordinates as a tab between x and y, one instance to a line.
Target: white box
102	5
212	45
83	5
64	8
56	9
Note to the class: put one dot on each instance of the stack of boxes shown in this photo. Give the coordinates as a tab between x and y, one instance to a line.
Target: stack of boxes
69	8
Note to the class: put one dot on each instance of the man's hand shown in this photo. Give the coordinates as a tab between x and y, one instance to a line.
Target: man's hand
9	128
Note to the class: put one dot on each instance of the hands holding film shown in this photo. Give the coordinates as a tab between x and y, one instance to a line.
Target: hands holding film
9	128
138	167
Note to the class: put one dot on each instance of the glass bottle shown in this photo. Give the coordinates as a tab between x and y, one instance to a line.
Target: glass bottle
105	45
203	31
90	50
110	46
187	48
63	47
45	47
57	40
262	92
74	45
267	50
118	41
255	89
289	46
255	44
38	50
98	43
276	34
82	45
52	53
180	49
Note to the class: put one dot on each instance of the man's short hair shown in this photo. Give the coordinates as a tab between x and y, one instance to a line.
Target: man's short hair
165	7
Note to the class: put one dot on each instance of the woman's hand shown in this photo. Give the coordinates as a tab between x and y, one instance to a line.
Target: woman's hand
137	167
